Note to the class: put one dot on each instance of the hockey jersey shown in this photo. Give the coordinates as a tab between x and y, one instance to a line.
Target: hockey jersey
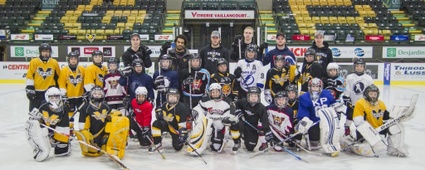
71	82
94	76
229	86
135	80
309	108
277	80
142	112
355	86
94	118
210	56
114	92
215	110
280	119
171	80
253	114
294	106
252	74
57	120
200	84
308	72
375	115
335	86
42	75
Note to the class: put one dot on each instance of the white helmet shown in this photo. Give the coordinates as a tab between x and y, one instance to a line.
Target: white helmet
215	86
53	96
331	66
142	90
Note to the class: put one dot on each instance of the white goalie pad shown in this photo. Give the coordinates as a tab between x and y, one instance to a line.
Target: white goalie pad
369	133
329	130
38	139
201	132
396	145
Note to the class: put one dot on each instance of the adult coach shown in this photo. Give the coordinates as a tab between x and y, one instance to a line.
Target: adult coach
281	49
323	52
137	50
213	52
240	43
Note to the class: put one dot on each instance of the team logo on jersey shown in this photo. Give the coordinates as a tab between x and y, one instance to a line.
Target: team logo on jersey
377	113
359	87
214	55
113	82
280	79
281	120
226	90
249	113
306	77
75	80
196	85
215	111
100	77
45	74
50	119
100	116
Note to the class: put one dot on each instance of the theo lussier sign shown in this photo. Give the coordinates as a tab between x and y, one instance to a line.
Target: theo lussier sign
86	51
29	51
407	72
403	52
216	14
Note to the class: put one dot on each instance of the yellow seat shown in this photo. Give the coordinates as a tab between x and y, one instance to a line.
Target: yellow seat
367	8
304	32
81	32
106	19
324	20
315	2
358	7
88	7
362	13
307	19
302	7
129	25
371	13
131	19
80	8
69	13
100	34
331	2
310	25
117	32
116	2
109	13
302	25
109	32
308	2
120	25
72	32
342	20
140	19
130	2
118	13
76	25
142	12
352	20
305	14
64	19
333	20
299	19
347	2
73	19
134	13
294	8
68	25
386	32
363	25
126	13
77	13
315	19
372	25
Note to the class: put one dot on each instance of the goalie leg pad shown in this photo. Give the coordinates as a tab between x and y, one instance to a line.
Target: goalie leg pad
201	134
117	130
396	145
217	139
369	133
330	130
87	137
38	139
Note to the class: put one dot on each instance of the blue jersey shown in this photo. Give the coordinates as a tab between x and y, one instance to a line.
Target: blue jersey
135	80
309	108
171	80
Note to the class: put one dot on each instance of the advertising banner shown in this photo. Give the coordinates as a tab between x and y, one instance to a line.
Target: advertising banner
168	37
352	52
2	34
29	51
407	73
19	37
43	37
86	51
403	52
218	14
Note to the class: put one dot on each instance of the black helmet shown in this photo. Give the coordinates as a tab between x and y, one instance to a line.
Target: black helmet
137	62
368	89
173	91
166	57
251	48
195	57
94	98
310	51
43	47
114	60
220	62
73	54
97	53
359	61
277	58
281	94
253	91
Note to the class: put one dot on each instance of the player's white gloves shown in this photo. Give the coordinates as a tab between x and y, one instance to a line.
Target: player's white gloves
304	125
339	107
268	96
35	114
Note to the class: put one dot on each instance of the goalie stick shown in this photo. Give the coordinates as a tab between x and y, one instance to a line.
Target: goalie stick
114	158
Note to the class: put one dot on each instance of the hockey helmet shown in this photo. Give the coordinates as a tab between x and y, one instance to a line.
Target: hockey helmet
97	95
372	99
281	99
315	87
75	55
253	95
213	93
172	92
220	62
141	94
114	60
292	88
356	62
195	58
279	58
251	48
53	96
166	58
332	66
97	53
45	47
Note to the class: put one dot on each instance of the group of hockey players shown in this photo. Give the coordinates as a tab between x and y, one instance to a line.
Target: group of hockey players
201	105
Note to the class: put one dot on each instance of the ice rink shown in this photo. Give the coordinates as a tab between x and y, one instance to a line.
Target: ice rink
16	152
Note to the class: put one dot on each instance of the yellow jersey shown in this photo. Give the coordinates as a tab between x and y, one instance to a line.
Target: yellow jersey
42	75
71	82
94	76
375	115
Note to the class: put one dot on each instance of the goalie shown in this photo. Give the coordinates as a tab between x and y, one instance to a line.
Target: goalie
370	118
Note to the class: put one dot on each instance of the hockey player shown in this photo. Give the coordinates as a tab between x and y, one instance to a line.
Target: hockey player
280	76
310	69
323	52
281	49
292	91
101	127
43	72
334	83
317	105
249	72
141	121
54	114
165	78
280	119
137	78
95	73
171	118
251	109
213	52
137	51
114	92
229	86
195	81
224	122
179	54
356	82
370	112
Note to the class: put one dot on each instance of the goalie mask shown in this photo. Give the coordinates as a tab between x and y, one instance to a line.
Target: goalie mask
315	87
53	96
281	99
45	51
371	94
330	68
97	58
141	94
173	96
215	92
97	95
166	61
73	60
253	96
292	91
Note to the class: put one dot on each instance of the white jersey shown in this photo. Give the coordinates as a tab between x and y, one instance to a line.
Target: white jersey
114	92
216	111
355	86
252	74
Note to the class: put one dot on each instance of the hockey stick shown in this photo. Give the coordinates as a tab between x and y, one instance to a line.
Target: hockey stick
178	133
150	140
114	158
240	51
290	152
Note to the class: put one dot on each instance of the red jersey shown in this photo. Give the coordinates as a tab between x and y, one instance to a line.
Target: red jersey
142	112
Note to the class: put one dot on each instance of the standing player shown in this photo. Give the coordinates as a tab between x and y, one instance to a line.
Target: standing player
249	72
114	92
195	82
229	86
172	114
310	69
43	72
281	49
95	73
213	53
165	78
141	121
334	83
280	76
53	114
137	78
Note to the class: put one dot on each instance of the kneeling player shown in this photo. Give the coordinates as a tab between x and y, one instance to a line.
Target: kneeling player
171	118
53	114
101	127
141	121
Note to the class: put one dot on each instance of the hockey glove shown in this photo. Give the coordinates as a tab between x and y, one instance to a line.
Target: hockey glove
339	107
148	51
158	114
268	135
126	71
304	125
188	81
238	72
166	46
146	131
289	60
347	101
268	96
263	46
229	121
239	114
30	90
183	135
139	54
35	114
159	80
237	39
